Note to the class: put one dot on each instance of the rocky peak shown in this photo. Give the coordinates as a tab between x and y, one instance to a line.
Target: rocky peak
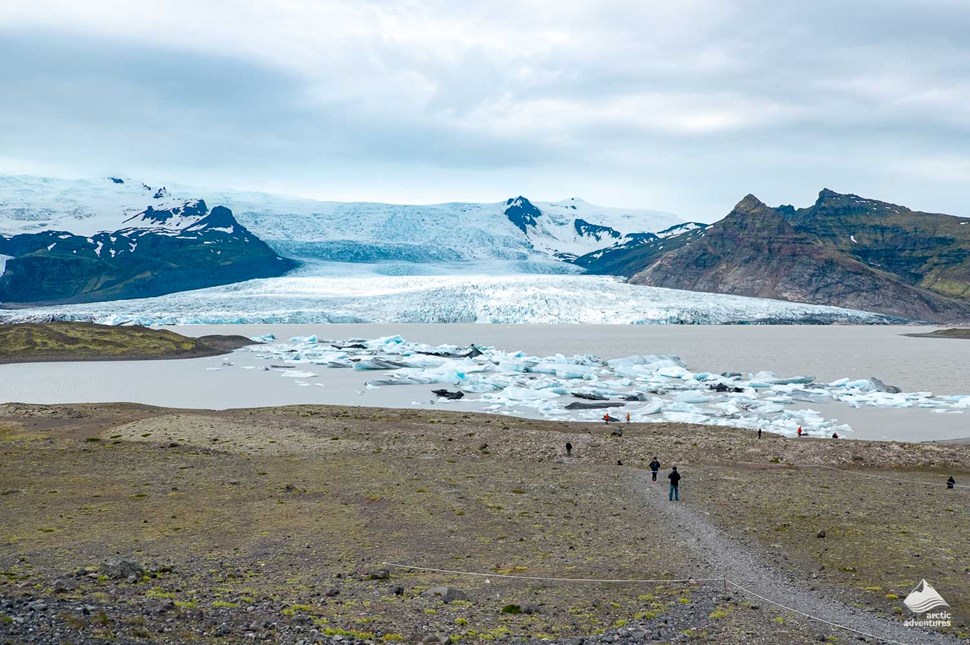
522	213
749	204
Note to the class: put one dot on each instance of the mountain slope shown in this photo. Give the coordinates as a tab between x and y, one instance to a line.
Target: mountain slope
927	250
815	256
181	247
637	250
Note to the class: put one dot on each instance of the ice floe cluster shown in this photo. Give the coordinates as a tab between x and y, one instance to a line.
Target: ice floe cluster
650	388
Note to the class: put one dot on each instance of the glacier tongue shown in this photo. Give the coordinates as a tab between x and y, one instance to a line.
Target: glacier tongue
512	382
446	299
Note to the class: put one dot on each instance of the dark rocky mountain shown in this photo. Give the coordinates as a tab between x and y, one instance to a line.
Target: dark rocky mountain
522	213
163	251
638	250
844	250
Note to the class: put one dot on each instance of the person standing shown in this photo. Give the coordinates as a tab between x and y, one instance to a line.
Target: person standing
654	467
674	478
628	417
799	431
951	483
759	433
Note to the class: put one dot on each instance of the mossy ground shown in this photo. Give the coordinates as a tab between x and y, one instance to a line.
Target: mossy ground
67	341
287	510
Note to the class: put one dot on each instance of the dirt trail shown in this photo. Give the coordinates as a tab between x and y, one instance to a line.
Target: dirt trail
727	558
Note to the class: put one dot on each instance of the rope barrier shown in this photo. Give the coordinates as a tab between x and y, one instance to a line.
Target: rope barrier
816	618
549	579
726	581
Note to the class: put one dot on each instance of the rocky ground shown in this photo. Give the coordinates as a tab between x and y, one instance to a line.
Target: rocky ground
124	524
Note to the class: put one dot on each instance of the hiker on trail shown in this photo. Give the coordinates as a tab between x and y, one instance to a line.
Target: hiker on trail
951	483
674	478
628	417
654	467
569	449
759	433
799	431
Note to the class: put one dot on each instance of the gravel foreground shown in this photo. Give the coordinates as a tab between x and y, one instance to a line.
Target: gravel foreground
130	524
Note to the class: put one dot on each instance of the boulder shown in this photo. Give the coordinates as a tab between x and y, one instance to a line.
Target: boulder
446	594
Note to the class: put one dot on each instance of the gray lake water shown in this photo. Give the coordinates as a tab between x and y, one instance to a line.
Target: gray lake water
941	366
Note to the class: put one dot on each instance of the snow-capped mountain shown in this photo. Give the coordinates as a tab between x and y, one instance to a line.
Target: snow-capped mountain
538	236
160	250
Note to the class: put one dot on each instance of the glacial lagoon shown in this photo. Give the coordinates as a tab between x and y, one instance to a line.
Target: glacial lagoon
828	353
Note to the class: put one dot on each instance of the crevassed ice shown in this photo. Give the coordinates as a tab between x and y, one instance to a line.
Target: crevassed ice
445	299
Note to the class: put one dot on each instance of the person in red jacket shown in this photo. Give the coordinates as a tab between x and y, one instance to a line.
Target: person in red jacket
799	431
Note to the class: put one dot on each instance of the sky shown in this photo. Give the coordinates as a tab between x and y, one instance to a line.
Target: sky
682	106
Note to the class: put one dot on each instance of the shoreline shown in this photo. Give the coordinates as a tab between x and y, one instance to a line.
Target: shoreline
238	379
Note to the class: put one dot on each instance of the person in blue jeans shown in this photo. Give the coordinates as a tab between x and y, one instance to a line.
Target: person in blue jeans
674	478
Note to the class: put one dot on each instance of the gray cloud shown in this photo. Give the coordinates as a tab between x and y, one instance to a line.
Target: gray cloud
680	106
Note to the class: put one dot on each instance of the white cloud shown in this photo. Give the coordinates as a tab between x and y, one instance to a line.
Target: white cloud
712	98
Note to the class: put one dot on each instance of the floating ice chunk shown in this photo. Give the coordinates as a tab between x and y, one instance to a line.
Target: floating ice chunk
691	397
403	379
644	366
815	396
654	407
213	369
378	363
959	401
674	372
780	399
685	417
297	374
265	338
762	380
517	364
304	339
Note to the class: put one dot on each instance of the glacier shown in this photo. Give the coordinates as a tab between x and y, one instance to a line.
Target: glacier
651	388
501	299
322	231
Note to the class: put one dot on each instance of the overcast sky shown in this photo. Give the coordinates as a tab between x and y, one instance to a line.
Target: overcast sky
678	105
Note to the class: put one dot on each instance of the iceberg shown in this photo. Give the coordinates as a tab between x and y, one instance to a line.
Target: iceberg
514	382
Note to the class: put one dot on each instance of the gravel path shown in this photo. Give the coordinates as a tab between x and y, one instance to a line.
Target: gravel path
726	557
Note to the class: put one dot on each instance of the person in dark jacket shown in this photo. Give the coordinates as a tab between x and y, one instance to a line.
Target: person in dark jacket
654	467
674	478
569	449
951	483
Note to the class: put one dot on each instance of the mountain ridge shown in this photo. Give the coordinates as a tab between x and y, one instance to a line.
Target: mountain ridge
185	246
844	251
